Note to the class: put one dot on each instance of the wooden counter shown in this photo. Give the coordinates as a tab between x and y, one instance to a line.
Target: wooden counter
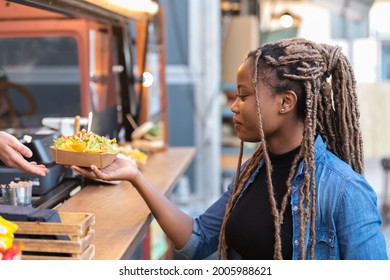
122	217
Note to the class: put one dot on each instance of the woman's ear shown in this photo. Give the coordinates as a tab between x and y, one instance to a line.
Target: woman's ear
288	101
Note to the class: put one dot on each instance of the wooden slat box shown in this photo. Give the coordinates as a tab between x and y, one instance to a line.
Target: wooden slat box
76	226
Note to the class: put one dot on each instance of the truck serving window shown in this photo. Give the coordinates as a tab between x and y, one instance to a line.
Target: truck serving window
39	77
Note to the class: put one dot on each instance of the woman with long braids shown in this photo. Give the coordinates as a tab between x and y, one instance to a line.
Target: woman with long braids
302	194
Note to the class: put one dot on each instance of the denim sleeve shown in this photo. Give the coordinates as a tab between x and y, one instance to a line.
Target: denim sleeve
359	222
190	247
205	234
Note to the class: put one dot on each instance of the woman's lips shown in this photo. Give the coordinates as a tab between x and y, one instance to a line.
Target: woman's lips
236	124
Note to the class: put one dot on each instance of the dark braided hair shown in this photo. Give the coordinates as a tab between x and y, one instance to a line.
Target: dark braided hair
325	85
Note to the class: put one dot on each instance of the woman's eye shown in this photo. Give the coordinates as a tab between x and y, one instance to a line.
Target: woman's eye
241	96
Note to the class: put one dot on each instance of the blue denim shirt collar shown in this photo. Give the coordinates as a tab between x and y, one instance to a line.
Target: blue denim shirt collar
319	149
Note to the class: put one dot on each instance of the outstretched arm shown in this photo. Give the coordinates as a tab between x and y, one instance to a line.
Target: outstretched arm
175	223
12	154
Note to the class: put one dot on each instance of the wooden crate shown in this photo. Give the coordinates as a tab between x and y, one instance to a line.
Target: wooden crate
40	244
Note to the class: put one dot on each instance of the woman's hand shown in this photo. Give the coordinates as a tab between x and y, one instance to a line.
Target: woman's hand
176	224
121	169
12	154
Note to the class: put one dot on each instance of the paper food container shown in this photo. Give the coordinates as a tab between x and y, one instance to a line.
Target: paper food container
101	160
142	130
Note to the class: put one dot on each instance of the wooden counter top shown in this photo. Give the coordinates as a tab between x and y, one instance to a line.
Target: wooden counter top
122	217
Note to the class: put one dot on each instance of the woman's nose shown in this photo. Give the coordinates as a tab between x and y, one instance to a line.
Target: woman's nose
234	106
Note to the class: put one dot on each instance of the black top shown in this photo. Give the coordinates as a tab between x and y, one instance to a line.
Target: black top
250	228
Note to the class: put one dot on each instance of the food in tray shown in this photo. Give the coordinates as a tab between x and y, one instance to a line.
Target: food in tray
147	137
135	154
84	149
147	131
86	142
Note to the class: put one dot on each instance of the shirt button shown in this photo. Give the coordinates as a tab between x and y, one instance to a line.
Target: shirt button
295	208
296	242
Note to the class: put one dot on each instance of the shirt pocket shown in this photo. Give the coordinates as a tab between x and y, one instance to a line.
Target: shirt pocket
325	246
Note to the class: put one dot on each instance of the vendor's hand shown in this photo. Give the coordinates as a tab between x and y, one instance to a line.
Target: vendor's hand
12	154
121	169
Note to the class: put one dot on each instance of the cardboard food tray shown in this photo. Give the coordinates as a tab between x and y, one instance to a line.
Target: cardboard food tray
149	146
101	160
75	226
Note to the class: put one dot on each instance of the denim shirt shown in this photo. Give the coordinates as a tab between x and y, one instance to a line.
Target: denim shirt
347	222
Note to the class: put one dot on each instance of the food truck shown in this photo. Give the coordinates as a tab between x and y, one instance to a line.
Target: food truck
62	61
65	59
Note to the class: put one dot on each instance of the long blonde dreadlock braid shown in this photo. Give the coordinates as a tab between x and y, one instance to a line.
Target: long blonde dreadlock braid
328	108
